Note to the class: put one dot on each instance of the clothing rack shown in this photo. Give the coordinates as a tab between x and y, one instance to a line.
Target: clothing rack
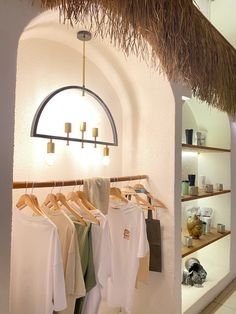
44	184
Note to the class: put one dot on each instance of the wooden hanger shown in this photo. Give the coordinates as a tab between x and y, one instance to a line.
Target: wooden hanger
129	190
62	199
85	201
73	196
115	193
144	190
35	200
28	200
51	202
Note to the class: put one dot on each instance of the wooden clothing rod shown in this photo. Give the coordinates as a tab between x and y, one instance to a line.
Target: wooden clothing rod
44	184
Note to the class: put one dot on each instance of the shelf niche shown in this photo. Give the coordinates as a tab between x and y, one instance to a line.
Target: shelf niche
213	161
203	241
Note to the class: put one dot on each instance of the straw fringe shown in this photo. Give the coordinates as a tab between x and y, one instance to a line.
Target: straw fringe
184	44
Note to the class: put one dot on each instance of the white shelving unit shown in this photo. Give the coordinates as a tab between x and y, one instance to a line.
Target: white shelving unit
213	161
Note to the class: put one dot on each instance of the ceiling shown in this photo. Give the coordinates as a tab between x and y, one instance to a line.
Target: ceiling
221	13
223	17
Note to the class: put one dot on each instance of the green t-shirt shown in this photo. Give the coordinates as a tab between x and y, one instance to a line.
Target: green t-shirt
86	255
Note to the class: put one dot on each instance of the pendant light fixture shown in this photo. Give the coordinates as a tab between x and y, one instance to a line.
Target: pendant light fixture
82	125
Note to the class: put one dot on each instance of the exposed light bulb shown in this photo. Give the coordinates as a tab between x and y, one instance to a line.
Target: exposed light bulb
50	159
106	160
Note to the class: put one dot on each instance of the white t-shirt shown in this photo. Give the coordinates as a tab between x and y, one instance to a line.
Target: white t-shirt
101	244
128	243
74	280
37	280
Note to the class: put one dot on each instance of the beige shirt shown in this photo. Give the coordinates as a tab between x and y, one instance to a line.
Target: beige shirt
74	281
37	282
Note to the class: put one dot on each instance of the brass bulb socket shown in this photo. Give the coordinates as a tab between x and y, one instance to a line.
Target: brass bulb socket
106	151
50	147
94	132
68	127
82	126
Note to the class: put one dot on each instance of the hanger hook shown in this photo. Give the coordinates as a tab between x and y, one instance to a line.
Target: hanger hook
80	185
74	186
53	187
62	185
32	188
139	180
26	185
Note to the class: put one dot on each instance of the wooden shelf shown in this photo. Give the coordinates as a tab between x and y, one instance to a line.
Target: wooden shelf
203	241
202	194
202	149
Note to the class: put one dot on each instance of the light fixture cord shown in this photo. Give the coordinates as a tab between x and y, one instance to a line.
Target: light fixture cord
83	67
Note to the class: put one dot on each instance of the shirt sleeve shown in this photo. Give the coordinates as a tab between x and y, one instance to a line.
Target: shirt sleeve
105	267
58	293
143	246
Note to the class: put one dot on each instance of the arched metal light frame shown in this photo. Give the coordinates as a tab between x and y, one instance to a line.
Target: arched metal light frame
40	109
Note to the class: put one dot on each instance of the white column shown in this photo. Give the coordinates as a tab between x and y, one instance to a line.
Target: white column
14	15
179	92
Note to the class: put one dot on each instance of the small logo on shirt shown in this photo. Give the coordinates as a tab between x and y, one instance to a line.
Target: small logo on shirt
126	234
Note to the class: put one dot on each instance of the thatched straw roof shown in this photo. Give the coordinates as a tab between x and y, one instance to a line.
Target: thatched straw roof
189	48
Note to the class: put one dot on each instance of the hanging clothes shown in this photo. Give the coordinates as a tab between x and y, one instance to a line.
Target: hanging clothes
101	243
154	239
74	281
37	280
97	191
128	244
86	254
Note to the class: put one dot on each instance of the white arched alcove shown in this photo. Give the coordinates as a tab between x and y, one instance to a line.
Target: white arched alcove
143	107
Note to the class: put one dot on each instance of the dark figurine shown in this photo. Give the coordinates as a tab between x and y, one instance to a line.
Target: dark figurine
195	275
